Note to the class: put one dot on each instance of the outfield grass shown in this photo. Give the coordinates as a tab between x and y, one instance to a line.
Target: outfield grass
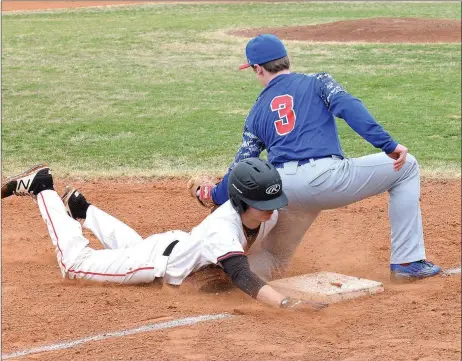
154	90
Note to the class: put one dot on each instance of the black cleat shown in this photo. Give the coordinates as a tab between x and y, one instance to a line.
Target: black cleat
29	183
75	203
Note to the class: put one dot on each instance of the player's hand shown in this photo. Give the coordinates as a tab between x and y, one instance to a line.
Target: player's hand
290	303
399	155
200	188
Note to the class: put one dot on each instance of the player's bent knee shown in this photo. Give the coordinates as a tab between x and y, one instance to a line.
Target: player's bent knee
411	159
412	162
411	167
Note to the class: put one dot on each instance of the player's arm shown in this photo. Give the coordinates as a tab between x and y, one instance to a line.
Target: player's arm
237	267
222	248
349	108
251	147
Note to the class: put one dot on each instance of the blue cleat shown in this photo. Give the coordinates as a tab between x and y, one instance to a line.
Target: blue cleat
414	271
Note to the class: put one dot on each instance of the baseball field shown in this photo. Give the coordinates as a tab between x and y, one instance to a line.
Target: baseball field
128	100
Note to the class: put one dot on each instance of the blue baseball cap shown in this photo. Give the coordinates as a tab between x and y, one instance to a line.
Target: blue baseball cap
262	49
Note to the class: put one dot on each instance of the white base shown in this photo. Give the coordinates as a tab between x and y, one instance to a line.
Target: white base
326	287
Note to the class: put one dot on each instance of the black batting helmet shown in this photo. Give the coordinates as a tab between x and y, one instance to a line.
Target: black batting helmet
255	182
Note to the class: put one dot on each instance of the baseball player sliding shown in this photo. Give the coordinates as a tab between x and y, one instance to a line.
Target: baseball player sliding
293	119
255	191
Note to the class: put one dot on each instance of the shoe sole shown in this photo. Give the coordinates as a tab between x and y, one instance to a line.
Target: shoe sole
28	172
65	198
404	278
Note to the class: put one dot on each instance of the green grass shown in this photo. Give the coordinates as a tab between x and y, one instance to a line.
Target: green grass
153	90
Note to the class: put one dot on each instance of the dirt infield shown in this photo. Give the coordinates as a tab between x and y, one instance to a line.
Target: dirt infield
380	30
418	321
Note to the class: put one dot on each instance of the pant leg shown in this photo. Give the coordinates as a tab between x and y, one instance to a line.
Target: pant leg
350	180
134	265
270	259
110	231
263	263
77	260
65	232
332	183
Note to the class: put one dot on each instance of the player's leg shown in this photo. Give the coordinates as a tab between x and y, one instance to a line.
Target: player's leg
132	265
264	263
111	232
77	260
270	259
66	233
343	182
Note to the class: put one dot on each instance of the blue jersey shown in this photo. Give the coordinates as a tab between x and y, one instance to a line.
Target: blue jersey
294	120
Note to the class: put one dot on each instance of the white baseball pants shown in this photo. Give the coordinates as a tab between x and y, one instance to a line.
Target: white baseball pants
127	258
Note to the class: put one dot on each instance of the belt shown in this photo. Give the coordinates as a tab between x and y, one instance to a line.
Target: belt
169	248
161	261
304	161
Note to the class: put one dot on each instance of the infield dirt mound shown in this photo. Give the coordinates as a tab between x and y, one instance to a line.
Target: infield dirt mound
380	30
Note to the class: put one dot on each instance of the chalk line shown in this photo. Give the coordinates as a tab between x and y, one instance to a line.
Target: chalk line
152	327
450	271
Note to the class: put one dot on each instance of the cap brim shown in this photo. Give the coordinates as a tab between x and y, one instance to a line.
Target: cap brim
244	66
268	205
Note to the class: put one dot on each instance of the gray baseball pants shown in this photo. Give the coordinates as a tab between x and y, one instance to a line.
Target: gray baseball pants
331	183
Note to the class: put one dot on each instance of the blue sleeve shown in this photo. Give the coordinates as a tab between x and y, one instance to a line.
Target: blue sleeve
251	147
345	106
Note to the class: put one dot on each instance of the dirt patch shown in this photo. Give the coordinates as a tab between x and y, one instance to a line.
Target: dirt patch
380	30
419	321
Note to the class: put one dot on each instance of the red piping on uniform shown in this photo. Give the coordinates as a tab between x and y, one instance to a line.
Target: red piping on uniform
52	225
87	273
112	275
229	254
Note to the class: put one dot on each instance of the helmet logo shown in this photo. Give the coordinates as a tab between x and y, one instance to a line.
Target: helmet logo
275	188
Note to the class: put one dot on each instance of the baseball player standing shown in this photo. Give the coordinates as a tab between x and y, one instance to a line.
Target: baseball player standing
255	191
293	119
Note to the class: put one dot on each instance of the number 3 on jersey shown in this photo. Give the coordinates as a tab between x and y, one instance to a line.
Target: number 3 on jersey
284	105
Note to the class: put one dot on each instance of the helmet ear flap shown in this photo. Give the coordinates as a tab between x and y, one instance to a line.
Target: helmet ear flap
238	205
244	207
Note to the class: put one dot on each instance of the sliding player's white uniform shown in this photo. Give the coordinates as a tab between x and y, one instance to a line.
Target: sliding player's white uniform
128	258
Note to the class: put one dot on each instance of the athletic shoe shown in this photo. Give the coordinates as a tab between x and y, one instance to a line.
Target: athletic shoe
414	270
29	183
75	203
